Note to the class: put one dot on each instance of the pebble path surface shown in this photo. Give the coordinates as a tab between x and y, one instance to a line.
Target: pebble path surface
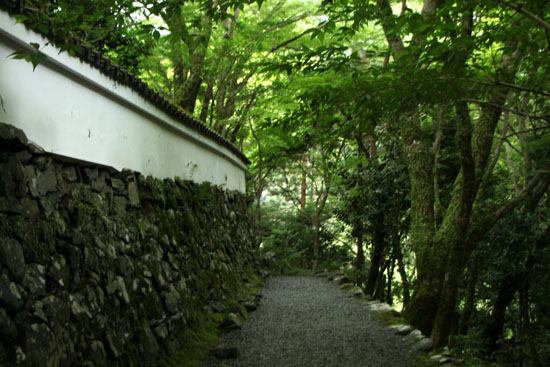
307	321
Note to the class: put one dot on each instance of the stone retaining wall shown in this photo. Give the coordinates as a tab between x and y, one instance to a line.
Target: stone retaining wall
105	268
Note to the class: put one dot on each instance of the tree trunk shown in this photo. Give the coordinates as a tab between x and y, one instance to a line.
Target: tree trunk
303	184
389	295
475	148
187	81
320	206
422	307
376	257
380	285
442	254
208	95
469	301
446	311
257	218
397	253
527	325
512	282
360	261
317	240
454	229
493	330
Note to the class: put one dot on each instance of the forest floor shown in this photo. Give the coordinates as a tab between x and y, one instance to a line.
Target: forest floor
307	321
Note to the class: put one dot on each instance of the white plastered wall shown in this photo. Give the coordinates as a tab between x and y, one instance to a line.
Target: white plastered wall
69	108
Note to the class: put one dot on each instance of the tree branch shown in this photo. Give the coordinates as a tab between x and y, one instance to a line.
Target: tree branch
509	85
403	7
295	38
498	149
527	13
161	91
517	133
516	112
490	220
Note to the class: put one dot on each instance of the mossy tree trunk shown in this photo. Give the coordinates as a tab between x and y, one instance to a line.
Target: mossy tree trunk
423	304
420	164
443	250
475	146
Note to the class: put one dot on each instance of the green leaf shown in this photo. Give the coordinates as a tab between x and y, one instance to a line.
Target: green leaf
35	60
17	55
314	34
77	49
43	28
288	69
318	32
321	36
330	26
20	18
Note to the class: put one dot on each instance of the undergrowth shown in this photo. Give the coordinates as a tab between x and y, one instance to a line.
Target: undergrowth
298	272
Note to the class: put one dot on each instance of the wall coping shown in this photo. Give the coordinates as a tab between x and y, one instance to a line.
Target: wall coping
119	75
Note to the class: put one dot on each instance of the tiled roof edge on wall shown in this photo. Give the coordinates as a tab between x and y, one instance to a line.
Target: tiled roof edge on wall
122	76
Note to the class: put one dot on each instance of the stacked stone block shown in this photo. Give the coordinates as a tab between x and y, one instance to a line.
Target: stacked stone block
105	268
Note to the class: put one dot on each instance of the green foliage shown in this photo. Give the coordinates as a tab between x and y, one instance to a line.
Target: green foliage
35	57
514	256
290	235
470	348
377	189
355	275
108	26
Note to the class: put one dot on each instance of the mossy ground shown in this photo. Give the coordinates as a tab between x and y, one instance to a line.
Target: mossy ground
197	342
199	339
390	318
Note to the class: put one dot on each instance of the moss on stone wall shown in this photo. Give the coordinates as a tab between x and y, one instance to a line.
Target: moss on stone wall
108	268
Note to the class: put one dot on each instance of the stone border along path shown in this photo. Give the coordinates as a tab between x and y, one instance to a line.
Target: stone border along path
307	321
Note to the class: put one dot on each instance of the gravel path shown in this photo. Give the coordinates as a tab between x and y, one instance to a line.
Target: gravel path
307	321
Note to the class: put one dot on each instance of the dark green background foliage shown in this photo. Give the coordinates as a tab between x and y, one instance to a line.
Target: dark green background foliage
289	235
